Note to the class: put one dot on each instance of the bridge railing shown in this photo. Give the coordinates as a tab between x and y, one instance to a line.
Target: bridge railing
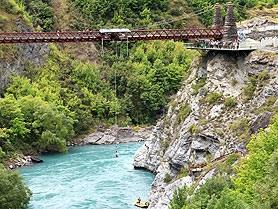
96	36
220	46
34	37
175	34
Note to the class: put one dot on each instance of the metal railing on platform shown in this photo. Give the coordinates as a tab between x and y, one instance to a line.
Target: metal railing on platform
223	46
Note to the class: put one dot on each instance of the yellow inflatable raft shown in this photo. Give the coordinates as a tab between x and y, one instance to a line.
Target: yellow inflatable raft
141	204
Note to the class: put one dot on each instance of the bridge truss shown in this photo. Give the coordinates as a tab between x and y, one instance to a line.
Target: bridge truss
96	36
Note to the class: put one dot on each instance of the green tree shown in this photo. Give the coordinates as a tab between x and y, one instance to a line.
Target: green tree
254	168
13	191
11	119
180	198
266	190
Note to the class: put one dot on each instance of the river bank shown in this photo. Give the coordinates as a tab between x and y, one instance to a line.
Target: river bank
112	135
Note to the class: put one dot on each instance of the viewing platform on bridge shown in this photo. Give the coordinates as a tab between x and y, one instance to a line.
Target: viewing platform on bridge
244	47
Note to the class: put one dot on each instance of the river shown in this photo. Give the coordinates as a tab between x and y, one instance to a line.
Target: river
88	177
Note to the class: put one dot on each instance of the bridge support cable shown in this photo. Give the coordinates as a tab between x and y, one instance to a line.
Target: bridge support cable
191	14
127	47
115	92
102	48
187	17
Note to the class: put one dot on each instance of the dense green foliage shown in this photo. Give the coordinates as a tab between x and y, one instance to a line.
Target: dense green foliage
41	13
255	184
146	12
13	191
254	169
66	97
31	120
120	13
208	196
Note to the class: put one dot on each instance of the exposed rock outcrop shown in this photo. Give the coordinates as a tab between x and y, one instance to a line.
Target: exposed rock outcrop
206	121
25	58
116	135
21	160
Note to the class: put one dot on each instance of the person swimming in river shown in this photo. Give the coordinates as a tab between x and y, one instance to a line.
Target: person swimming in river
116	154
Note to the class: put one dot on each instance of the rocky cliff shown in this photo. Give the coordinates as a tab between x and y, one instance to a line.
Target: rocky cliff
20	59
226	98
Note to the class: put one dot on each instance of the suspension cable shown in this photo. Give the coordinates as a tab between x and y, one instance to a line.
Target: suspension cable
127	47
102	49
198	12
243	12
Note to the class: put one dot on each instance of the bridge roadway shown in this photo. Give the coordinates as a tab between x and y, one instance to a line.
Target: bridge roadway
96	36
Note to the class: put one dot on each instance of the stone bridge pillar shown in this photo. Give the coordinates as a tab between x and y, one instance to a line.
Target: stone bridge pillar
230	28
217	18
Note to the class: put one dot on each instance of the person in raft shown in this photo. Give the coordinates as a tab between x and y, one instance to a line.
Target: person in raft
116	154
139	200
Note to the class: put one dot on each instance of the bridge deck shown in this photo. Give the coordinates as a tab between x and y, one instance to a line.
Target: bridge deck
96	36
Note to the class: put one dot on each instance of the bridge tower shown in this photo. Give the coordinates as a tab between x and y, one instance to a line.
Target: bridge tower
230	28
217	18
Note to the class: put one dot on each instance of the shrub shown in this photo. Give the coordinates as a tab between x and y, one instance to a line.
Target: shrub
193	129
179	198
234	82
230	102
240	126
183	173
209	158
230	160
175	12
200	83
249	90
167	178
263	76
136	128
213	97
206	197
2	154
184	112
204	122
270	101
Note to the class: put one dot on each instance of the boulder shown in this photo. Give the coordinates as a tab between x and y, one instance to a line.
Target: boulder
262	121
36	159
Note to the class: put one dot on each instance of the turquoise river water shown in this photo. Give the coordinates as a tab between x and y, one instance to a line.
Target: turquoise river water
88	177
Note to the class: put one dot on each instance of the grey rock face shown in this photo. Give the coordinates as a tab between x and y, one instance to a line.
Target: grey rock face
206	132
30	56
27	57
262	121
116	135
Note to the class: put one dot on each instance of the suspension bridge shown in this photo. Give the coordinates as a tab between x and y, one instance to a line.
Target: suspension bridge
220	31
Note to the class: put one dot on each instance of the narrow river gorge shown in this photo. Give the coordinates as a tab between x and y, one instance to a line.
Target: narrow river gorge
88	177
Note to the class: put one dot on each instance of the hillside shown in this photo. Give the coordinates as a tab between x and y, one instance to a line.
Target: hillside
73	81
225	100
